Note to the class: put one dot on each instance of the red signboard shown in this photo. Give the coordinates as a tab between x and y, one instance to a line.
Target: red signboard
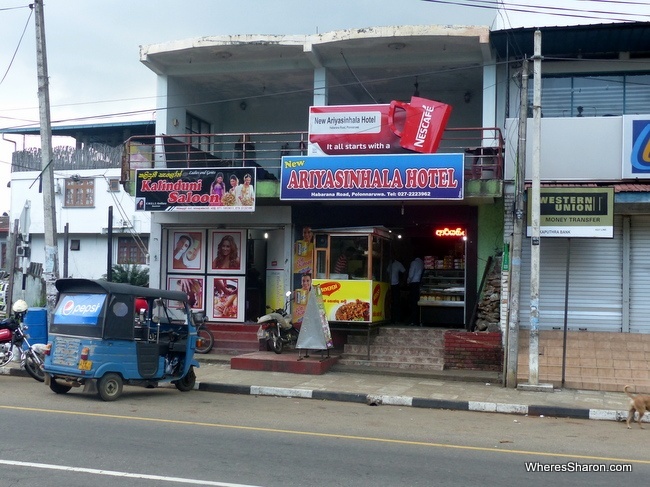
398	127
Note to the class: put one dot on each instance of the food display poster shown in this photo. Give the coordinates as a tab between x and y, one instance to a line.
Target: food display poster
353	300
222	189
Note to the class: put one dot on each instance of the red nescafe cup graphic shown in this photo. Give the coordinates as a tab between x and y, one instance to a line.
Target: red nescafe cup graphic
424	123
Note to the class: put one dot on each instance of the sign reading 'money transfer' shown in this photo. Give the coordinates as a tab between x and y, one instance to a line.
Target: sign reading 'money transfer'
575	212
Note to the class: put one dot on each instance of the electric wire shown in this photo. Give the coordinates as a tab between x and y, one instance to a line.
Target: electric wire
31	11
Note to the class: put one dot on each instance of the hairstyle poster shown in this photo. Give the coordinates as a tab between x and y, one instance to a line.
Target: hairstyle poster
194	287
226	298
187	251
227	252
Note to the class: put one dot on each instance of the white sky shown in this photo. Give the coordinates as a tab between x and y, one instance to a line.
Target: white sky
93	46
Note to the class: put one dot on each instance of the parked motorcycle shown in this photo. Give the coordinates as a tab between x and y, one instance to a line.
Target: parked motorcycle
276	328
14	343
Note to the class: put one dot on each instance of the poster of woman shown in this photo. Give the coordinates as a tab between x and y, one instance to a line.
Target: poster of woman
192	286
228	251
227	298
187	251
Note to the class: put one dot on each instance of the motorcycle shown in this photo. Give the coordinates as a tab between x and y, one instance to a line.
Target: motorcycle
14	343
276	328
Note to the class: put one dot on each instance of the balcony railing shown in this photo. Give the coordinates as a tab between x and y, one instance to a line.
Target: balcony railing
482	147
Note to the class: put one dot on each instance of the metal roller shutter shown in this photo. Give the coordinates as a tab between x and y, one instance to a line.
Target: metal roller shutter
595	284
640	274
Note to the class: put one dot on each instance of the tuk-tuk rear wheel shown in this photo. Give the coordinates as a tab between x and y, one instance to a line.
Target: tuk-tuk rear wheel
110	386
186	383
58	388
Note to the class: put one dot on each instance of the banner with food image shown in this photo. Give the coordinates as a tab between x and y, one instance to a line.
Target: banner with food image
353	300
226	301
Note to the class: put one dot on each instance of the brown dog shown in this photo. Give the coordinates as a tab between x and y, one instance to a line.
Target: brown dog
638	403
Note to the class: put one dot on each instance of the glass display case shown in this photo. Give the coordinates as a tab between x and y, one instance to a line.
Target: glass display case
351	266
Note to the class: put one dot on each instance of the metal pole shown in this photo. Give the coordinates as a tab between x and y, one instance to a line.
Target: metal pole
51	265
517	236
109	253
535	214
566	307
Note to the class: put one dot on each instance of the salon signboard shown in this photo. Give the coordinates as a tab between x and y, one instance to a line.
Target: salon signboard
204	189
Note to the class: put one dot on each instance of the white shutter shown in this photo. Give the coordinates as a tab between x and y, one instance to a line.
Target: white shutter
640	274
595	297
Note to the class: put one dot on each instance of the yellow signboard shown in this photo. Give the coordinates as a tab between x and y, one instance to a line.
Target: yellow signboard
354	300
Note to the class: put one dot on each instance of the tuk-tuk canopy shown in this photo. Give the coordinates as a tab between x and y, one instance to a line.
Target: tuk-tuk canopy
72	285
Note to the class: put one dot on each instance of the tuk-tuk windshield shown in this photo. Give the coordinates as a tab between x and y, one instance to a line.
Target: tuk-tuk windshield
168	311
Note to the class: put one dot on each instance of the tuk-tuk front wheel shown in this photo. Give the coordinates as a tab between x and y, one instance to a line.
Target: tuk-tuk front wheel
186	383
110	386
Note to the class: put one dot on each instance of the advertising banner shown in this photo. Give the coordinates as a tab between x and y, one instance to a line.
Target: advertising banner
636	146
354	300
375	177
397	127
205	189
574	212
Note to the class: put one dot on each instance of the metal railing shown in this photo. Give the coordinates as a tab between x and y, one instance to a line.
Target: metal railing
483	149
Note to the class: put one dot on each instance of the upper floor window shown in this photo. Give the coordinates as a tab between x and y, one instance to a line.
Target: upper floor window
195	125
595	95
132	251
79	192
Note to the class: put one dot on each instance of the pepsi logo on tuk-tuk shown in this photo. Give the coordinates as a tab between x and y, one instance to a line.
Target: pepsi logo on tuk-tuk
81	309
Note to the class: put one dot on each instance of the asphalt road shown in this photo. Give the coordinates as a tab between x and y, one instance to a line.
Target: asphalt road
152	437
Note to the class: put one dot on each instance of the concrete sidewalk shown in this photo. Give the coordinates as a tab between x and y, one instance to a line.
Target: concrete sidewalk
454	390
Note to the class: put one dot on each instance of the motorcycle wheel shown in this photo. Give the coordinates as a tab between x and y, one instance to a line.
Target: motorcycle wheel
33	366
207	340
109	386
186	383
58	388
275	342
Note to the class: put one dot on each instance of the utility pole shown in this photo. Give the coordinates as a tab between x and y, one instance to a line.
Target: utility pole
517	235
535	244
51	265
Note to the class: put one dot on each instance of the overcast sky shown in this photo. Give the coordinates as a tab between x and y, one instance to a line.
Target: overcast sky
93	46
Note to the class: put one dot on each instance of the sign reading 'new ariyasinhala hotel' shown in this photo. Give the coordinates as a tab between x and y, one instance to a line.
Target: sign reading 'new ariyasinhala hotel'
375	152
574	212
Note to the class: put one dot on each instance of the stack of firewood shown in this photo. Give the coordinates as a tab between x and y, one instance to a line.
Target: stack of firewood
488	310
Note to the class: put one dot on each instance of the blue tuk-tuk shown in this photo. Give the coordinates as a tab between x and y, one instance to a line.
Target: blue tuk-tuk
104	335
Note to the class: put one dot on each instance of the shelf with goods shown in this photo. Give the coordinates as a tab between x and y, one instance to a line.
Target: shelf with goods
443	283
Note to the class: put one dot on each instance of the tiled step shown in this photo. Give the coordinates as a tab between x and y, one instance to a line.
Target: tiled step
388	364
234	339
398	351
397	348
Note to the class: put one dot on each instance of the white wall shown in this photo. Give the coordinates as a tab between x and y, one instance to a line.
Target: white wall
572	149
89	225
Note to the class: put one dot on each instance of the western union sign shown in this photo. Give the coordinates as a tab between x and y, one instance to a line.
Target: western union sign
574	212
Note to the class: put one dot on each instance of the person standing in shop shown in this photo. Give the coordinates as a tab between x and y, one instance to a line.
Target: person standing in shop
414	277
395	268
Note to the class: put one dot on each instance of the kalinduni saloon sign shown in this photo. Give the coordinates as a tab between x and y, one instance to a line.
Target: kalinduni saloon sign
373	177
575	212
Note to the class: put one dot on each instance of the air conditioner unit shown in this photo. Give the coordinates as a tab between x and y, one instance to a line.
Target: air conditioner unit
22	251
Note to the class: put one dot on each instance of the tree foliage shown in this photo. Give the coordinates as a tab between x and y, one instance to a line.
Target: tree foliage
130	274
